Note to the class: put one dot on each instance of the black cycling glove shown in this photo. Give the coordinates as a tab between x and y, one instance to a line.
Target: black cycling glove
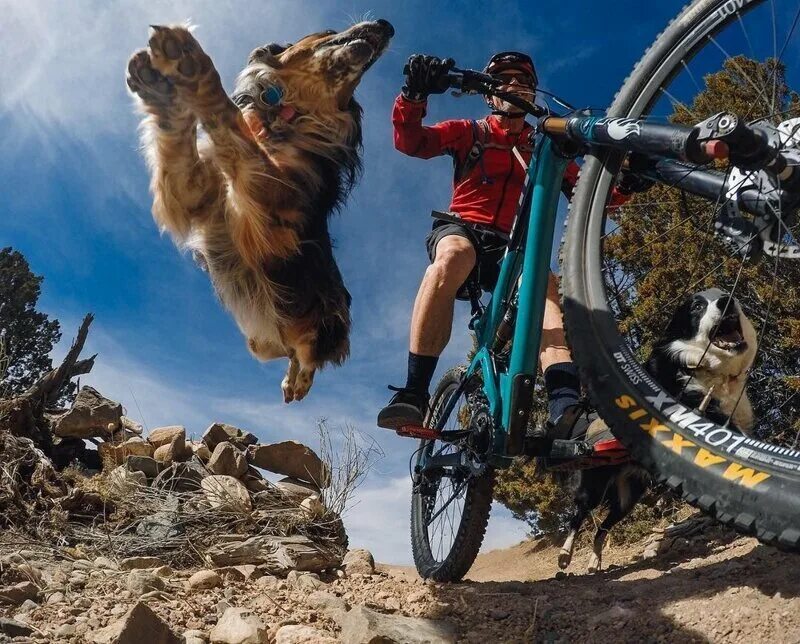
426	75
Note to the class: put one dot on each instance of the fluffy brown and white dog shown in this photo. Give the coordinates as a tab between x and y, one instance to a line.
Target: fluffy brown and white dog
252	197
702	359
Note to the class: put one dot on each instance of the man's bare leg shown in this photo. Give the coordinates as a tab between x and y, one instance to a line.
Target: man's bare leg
432	319
431	325
554	342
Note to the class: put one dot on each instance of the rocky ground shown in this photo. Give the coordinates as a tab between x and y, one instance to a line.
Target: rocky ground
161	539
710	587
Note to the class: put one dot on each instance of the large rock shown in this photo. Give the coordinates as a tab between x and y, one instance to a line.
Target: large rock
139	625
327	602
203	580
116	453
145	464
291	458
123	481
176	450
164	524
296	489
362	625
228	460
201	451
181	477
239	626
140	582
222	432
275	555
165	435
358	561
226	493
130	425
91	415
299	634
18	593
13	628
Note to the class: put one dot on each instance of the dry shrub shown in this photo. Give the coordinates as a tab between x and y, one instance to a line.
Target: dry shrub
350	455
544	502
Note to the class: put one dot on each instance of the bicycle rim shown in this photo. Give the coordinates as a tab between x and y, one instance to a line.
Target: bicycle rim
450	504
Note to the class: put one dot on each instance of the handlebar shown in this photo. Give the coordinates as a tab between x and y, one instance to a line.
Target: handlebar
472	82
469	81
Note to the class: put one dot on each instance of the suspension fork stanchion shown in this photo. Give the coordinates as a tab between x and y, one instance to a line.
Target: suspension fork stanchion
517	385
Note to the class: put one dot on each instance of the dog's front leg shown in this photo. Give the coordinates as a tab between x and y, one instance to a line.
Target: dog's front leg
254	182
186	188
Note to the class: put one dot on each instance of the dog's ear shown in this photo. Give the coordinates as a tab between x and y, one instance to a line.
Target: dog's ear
680	323
268	55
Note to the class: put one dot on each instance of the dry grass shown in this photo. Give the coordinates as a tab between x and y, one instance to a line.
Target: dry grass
102	517
350	455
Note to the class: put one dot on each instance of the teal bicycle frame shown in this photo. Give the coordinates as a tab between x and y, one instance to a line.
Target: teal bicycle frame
509	392
525	268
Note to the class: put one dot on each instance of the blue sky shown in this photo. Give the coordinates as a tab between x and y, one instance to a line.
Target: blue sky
75	201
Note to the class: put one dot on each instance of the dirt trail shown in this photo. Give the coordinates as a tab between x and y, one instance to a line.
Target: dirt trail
714	587
718	590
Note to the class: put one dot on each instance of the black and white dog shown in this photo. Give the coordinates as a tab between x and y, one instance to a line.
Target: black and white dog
702	359
704	355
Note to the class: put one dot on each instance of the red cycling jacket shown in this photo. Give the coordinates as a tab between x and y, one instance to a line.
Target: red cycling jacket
489	192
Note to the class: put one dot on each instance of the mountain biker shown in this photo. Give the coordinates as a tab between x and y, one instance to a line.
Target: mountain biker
487	184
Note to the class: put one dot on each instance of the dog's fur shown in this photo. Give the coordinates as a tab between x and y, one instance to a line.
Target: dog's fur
617	487
706	352
252	200
702	360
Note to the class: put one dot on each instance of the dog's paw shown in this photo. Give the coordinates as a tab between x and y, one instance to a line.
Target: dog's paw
303	384
148	83
595	564
288	391
177	55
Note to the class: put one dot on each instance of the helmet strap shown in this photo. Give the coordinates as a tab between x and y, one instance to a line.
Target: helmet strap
509	115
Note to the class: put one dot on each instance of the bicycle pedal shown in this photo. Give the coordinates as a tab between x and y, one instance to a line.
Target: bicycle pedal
417	431
561	449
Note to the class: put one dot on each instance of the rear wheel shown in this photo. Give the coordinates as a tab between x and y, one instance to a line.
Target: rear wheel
627	271
452	500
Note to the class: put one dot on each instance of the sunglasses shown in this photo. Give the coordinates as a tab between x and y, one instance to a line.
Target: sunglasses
508	77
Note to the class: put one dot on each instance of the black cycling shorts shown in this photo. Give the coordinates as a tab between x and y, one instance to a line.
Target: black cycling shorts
489	249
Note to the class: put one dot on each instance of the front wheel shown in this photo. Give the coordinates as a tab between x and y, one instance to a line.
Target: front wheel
452	495
636	282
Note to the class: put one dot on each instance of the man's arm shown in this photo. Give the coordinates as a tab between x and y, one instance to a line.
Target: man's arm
413	138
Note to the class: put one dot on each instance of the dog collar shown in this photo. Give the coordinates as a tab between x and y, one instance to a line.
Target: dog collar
273	96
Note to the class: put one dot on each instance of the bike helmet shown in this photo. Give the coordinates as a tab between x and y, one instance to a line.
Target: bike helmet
512	60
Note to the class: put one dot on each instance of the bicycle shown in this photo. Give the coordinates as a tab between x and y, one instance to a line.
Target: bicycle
479	414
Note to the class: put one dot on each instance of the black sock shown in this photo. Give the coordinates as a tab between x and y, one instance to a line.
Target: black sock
420	372
563	388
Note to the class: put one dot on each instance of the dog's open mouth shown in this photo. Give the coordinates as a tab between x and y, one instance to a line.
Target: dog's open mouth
728	335
375	36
